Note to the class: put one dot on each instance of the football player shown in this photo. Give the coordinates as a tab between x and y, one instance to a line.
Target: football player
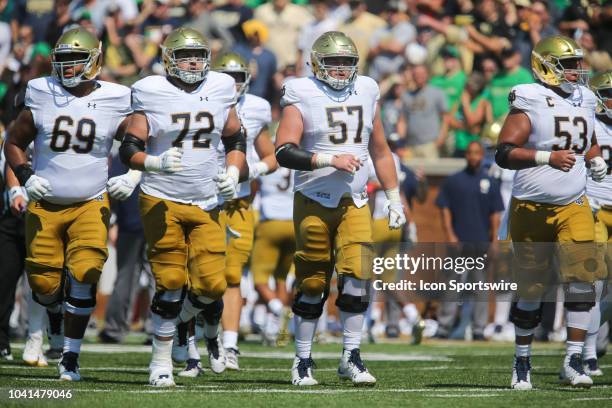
330	123
600	198
190	110
273	249
549	138
72	119
255	114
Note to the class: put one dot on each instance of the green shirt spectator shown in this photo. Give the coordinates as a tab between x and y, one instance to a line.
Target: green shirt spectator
453	81
501	84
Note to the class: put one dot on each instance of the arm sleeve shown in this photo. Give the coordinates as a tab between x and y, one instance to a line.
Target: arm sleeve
30	102
140	103
518	98
289	96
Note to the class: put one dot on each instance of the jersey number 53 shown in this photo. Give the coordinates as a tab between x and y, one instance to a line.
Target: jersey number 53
563	129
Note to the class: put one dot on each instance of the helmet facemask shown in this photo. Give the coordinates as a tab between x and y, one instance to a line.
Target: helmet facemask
324	67
242	78
603	96
60	63
557	66
193	74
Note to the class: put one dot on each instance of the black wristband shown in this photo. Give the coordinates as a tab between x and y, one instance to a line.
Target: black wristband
237	141
23	173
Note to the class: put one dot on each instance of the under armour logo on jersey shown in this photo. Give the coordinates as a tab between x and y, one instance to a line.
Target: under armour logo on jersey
203	98
91	105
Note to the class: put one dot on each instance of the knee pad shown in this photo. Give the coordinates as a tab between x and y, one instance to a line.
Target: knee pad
167	304
86	264
525	319
353	294
80	296
307	310
579	296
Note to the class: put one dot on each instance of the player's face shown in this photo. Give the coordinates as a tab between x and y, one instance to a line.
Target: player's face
190	60
606	96
239	77
72	70
345	67
571	65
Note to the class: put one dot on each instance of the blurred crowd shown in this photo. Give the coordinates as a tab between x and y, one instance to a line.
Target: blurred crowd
445	68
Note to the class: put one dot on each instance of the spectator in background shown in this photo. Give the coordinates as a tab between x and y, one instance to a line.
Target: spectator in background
262	61
360	27
61	19
534	24
321	24
220	38
512	74
119	61
98	10
473	112
489	66
454	78
490	31
470	205
284	22
231	16
36	14
421	122
596	60
388	44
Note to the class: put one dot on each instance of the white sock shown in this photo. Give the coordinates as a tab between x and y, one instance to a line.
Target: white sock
411	313
162	353
36	318
193	349
211	330
230	339
304	333
351	329
522	350
272	324
503	302
72	345
573	347
276	306
590	346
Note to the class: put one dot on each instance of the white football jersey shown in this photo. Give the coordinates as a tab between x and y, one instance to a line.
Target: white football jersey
276	192
380	198
255	114
74	136
557	123
602	192
191	120
335	122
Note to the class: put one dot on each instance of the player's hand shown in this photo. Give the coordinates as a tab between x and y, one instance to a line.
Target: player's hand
346	162
37	187
562	160
167	162
598	169
121	187
227	182
394	209
18	200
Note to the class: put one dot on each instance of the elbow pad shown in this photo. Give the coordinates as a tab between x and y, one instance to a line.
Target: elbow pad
291	156
129	147
237	141
502	154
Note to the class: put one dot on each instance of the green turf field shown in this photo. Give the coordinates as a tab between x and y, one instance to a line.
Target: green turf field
435	374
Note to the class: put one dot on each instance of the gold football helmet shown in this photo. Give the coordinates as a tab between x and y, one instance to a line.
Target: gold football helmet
601	85
490	132
235	66
548	58
74	48
186	39
334	44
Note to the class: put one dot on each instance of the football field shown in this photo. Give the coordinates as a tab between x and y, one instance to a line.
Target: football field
436	374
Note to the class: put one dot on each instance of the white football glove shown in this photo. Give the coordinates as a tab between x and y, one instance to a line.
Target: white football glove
37	187
121	187
227	182
258	169
395	209
598	169
167	162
